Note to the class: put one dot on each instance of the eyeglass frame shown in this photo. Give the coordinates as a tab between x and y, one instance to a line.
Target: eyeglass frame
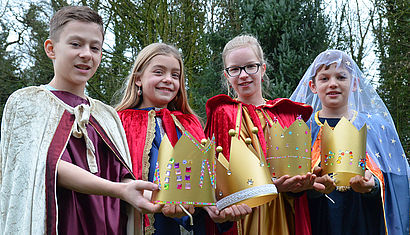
243	68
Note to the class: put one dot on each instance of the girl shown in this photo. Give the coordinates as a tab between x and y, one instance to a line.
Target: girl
244	70
335	87
155	103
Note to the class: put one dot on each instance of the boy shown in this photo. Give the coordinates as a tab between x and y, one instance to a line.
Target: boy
65	164
378	202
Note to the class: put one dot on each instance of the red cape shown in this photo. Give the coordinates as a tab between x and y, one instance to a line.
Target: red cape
135	124
221	111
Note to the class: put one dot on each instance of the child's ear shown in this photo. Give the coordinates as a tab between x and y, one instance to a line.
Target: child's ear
138	81
225	74
356	81
312	87
49	49
263	69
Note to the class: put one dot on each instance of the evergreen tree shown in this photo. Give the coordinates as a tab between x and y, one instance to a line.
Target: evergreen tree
292	33
9	76
40	69
393	48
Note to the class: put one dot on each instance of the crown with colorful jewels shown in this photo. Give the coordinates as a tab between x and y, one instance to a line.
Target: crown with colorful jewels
185	173
289	149
245	178
343	151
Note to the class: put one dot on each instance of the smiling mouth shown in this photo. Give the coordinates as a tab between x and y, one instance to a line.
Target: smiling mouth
164	89
245	83
83	67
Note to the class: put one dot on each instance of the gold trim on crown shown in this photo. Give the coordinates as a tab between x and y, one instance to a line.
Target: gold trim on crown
245	178
343	151
185	173
289	149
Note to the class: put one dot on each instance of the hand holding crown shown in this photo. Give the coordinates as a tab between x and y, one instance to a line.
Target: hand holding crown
362	184
231	213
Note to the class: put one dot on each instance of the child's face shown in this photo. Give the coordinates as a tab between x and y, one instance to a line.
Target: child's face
76	55
332	86
160	81
245	85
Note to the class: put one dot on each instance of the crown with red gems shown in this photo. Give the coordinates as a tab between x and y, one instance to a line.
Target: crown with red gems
245	178
289	149
343	151
185	173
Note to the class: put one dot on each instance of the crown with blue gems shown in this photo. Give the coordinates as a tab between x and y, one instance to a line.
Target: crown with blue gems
245	178
343	151
289	149
185	173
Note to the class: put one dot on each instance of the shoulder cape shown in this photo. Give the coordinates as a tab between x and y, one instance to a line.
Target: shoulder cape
221	111
139	126
35	129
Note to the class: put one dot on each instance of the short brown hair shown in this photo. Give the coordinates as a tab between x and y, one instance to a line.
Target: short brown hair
71	13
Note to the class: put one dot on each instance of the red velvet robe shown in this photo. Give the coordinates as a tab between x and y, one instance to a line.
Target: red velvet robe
221	117
139	126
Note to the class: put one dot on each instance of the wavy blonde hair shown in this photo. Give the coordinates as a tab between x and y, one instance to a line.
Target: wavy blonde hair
130	99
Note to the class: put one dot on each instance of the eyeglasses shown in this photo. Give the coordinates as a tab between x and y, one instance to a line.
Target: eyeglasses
234	71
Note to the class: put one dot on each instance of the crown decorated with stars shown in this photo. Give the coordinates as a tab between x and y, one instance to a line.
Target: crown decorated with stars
343	151
245	178
185	173
289	149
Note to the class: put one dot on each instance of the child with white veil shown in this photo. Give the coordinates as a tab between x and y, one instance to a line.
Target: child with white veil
378	202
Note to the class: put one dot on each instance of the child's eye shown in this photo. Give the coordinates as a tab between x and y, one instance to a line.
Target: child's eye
96	49
157	72
75	44
323	78
175	75
342	77
233	69
251	66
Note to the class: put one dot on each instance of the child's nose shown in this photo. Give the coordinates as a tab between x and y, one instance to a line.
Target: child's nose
243	73
85	53
167	78
333	82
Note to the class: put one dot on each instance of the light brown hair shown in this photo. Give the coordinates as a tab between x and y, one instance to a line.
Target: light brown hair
72	13
130	98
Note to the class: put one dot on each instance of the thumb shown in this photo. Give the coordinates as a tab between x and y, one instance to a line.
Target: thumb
145	185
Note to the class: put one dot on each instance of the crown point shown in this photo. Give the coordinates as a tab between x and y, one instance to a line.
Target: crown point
219	149
232	132
203	141
254	130
248	141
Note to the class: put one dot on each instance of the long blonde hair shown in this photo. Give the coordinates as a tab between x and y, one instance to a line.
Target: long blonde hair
130	98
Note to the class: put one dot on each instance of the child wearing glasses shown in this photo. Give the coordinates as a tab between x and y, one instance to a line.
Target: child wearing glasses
245	71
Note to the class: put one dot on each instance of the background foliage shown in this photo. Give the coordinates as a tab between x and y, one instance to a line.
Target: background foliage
291	32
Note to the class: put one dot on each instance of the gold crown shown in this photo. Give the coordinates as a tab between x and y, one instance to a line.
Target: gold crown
245	178
343	151
289	149
185	173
